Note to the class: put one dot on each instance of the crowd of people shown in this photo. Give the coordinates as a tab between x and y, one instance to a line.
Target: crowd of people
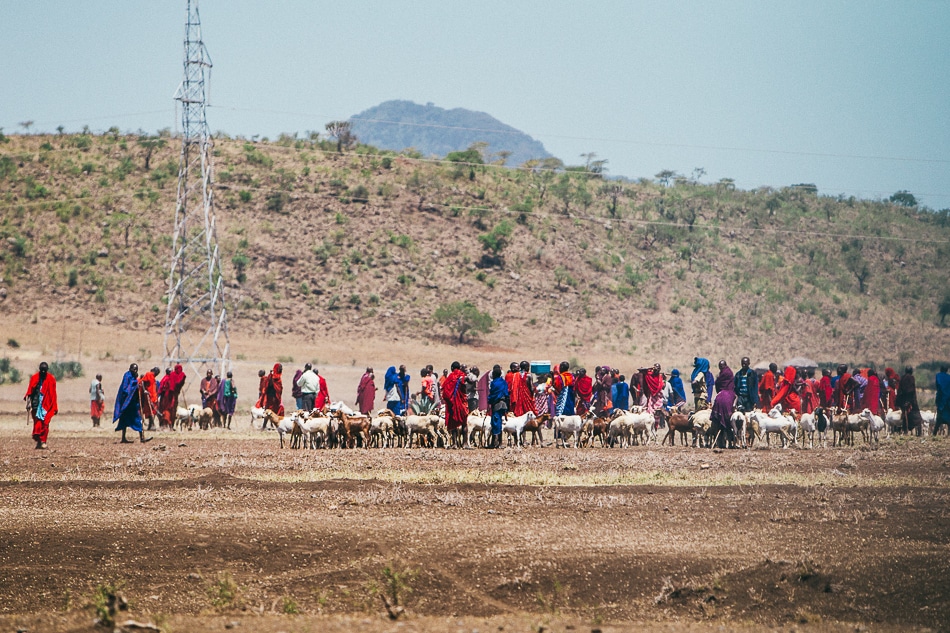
460	389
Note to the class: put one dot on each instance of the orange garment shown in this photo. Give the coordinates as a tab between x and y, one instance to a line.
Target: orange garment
767	388
148	395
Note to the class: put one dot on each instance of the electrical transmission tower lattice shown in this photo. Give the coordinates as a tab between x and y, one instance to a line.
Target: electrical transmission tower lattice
196	320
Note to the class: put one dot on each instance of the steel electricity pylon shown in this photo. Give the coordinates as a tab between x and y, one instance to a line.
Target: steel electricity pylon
196	319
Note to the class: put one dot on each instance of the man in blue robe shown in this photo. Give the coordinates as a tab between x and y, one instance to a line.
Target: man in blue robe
620	395
677	391
703	382
498	398
127	413
943	399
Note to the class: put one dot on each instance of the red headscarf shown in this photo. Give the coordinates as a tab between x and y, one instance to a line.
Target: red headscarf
274	391
175	379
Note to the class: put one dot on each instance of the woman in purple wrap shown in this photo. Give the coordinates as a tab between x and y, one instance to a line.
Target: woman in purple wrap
723	408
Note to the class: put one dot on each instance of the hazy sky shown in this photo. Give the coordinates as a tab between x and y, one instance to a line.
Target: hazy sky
852	96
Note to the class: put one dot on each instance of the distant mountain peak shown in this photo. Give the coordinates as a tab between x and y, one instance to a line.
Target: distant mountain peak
435	131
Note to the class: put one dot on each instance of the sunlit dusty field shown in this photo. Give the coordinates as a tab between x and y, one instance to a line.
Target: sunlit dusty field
203	530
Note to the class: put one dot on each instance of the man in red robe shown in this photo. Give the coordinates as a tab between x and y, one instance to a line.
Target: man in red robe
843	388
892	381
323	394
209	395
274	390
872	393
767	385
456	403
168	392
510	379
521	390
825	390
148	396
652	381
809	392
41	403
366	392
584	388
786	395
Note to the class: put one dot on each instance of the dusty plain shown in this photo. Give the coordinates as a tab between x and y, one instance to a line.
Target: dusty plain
206	531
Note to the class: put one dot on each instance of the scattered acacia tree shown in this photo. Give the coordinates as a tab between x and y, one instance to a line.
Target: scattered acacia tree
497	238
904	198
472	155
150	144
342	133
853	253
726	184
944	308
665	176
462	318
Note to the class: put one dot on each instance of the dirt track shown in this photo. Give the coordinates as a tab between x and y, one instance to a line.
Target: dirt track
821	539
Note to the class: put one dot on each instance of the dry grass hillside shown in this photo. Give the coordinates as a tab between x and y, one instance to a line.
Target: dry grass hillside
365	245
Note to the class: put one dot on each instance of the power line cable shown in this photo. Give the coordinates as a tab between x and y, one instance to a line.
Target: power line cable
606	140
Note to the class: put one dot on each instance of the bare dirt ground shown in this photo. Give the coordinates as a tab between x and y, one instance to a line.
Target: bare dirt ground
211	530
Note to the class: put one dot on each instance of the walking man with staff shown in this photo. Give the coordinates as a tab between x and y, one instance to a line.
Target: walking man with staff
127	413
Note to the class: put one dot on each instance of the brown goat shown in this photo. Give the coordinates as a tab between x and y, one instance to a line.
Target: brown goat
682	423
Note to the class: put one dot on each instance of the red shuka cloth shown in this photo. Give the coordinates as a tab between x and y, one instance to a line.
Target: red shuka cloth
522	400
653	383
366	394
456	402
323	395
872	395
170	390
274	391
767	388
50	405
841	393
825	392
786	396
584	388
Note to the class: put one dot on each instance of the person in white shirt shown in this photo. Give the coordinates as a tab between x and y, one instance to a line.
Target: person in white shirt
309	384
97	400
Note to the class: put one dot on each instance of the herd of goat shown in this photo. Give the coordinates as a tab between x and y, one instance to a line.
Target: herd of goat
338	426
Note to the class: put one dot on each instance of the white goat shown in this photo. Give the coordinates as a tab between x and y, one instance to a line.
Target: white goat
427	425
565	425
514	425
806	423
314	431
257	415
875	425
284	425
776	423
381	430
479	425
183	417
702	423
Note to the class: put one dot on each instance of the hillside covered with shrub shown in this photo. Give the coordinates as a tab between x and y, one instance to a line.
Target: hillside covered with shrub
366	243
